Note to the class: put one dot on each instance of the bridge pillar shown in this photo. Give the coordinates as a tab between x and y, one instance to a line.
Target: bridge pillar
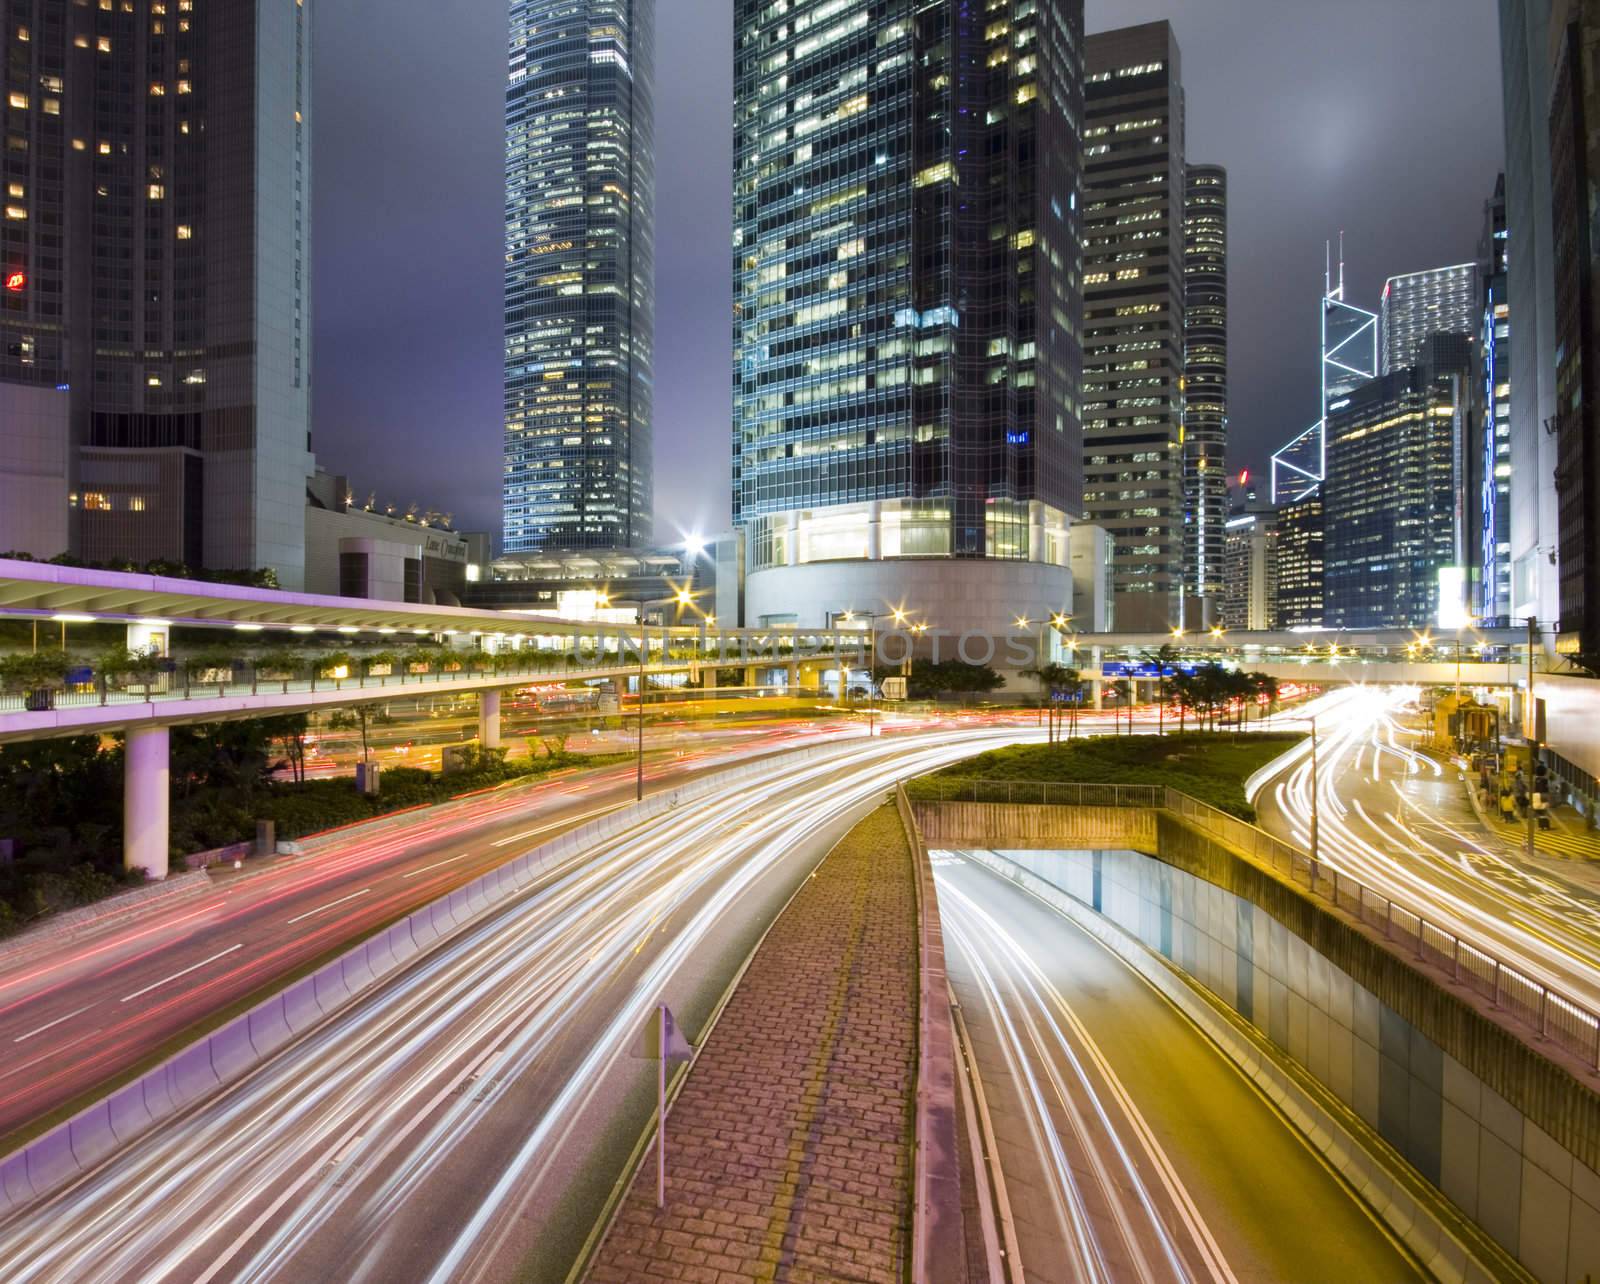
752	676
146	770
708	676
793	677
1099	689
489	718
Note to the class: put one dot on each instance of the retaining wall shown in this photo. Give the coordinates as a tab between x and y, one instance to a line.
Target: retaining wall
1508	1135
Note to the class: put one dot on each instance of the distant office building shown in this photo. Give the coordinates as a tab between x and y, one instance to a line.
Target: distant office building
1391	510
373	551
1574	173
155	286
1205	403
579	274
1300	561
906	308
1488	456
1418	304
1530	293
1250	571
1134	285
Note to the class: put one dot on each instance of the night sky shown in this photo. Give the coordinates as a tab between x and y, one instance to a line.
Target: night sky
1378	117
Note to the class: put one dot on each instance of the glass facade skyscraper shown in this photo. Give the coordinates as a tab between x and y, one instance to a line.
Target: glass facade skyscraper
1437	301
155	281
906	301
1134	286
1205	361
579	274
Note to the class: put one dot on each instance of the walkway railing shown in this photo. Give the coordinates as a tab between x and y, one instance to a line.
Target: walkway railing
246	680
1537	1007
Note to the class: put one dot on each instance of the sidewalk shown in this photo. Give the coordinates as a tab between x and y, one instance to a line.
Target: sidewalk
789	1150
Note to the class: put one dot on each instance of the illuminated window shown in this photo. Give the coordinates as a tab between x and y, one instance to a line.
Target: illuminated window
96	501
16	213
157	191
185	232
19	101
136	503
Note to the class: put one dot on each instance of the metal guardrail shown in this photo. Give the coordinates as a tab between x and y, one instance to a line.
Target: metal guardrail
1546	1012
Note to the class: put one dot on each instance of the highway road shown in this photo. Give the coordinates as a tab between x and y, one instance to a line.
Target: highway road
75	1013
1399	821
462	1120
1132	1151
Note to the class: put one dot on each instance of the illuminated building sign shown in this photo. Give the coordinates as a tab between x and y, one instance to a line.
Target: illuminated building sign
15	281
549	247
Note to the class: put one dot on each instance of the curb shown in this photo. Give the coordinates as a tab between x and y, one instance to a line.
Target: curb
938	1223
86	919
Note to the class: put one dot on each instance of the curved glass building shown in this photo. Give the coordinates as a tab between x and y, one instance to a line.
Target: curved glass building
579	283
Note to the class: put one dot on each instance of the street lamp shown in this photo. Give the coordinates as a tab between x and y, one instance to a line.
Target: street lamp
1315	853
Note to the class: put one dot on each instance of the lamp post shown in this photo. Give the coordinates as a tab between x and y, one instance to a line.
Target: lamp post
1315	850
1532	721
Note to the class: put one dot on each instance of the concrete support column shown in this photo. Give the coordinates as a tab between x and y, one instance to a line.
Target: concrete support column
875	531
1099	689
791	543
752	676
489	719
708	676
146	788
793	677
1036	539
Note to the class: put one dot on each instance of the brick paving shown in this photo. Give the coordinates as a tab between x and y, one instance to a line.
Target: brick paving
789	1149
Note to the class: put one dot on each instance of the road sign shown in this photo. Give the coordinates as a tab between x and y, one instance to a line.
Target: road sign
894	688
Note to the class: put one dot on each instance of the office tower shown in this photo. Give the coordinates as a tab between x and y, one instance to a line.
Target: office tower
155	263
579	275
1250	561
1394	537
1530	294
1298	600
1134	316
1574	171
1488	489
1418	304
906	430
1205	360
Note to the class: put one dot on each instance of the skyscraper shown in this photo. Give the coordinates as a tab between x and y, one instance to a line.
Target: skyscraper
1205	360
1134	284
1574	172
1390	499
1530	294
155	282
906	428
1249	596
1349	359
1418	304
579	274
1488	456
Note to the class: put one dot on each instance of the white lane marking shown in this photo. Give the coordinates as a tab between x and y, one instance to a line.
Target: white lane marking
329	905
193	967
50	1025
450	861
556	824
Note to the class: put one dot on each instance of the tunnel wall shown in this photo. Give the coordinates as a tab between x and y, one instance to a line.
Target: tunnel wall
1515	1180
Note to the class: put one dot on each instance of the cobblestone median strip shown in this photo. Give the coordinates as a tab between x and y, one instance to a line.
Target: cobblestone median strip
789	1149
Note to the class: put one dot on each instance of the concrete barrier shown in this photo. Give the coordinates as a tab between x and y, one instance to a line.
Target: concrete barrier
91	1136
49	1160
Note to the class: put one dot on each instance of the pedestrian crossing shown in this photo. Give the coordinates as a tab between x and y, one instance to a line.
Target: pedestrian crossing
1568	841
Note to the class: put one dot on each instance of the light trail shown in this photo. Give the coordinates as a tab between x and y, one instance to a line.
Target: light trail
1124	1212
1371	826
446	1101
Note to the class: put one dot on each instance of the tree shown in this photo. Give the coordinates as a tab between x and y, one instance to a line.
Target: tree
1123	690
120	663
1062	683
289	730
359	715
1164	658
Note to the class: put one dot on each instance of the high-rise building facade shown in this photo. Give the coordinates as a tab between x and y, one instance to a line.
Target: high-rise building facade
155	292
1134	285
1574	173
1249	598
1488	456
1525	48
1418	304
1205	361
1298	599
1391	496
907	313
579	275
